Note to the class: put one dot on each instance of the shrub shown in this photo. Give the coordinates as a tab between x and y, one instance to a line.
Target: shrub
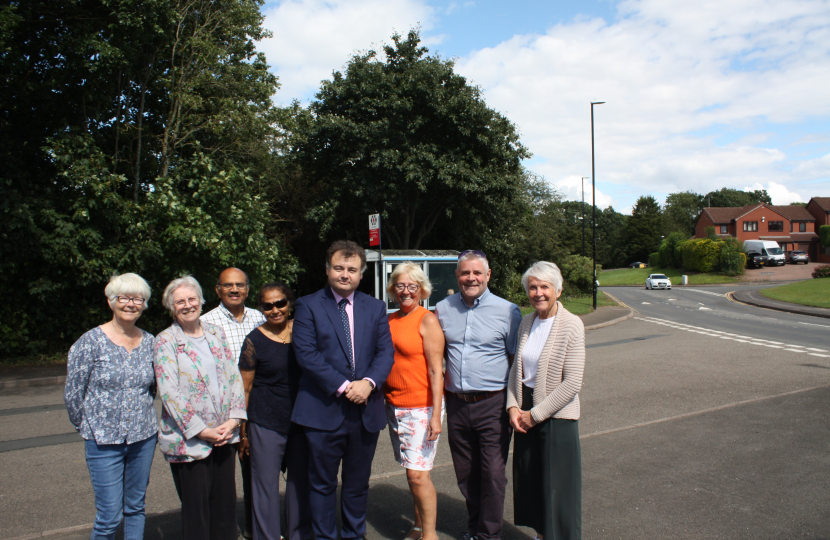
654	261
701	254
732	257
710	233
824	235
822	271
578	272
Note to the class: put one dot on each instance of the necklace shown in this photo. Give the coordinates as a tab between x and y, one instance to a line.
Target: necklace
285	331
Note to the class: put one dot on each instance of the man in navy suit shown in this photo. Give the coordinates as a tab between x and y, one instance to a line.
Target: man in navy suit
342	340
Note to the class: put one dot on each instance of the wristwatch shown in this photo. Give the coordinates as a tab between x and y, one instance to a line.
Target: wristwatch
370	384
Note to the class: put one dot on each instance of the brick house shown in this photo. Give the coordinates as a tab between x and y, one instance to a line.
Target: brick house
793	227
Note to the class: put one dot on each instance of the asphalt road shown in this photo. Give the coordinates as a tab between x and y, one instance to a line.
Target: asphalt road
710	309
686	434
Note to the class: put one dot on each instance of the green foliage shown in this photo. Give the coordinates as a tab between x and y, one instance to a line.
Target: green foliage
642	231
701	254
824	235
513	291
654	260
408	137
577	272
727	197
822	271
681	212
732	256
710	233
670	256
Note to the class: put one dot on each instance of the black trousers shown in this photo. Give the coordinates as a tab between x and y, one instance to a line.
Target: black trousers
245	469
479	435
207	489
547	477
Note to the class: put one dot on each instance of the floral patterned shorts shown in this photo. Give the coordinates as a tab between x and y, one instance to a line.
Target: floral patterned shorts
408	430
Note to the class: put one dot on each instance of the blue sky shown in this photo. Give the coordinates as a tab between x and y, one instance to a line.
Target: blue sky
699	95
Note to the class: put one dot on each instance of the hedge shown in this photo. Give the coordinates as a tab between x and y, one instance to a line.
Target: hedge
701	254
654	261
822	271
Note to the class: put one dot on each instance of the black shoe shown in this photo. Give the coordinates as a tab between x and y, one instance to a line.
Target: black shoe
467	536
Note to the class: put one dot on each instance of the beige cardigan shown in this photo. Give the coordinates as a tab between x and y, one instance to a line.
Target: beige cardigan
559	373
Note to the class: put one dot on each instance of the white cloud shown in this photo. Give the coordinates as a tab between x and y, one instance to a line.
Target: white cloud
312	38
780	195
675	75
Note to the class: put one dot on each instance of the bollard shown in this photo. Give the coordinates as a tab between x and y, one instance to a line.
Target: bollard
684	280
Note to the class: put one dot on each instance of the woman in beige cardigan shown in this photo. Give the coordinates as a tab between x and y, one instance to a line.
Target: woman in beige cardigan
543	403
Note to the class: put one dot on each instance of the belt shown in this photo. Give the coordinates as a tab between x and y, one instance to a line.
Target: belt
473	397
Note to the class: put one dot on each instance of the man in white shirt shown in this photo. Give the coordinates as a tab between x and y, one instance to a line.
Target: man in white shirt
237	321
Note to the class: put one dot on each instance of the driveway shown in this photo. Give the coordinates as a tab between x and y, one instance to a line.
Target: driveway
788	272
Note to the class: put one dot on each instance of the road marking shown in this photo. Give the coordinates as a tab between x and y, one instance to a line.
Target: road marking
646	303
812	324
735	337
705	292
705	308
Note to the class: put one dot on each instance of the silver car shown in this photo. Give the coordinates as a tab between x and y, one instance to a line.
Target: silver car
796	257
658	281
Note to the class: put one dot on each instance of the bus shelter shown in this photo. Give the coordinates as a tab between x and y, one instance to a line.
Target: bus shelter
438	265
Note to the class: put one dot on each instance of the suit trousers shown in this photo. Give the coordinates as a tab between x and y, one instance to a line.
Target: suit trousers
271	450
355	446
479	436
547	477
207	489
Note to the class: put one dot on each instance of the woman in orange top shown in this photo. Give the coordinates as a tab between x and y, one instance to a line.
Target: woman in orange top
414	391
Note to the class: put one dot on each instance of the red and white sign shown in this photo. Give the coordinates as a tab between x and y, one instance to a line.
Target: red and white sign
374	229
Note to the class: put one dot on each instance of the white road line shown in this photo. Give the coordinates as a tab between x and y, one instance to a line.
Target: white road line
704	292
735	337
812	324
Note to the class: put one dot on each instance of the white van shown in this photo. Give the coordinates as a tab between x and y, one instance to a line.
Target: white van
769	248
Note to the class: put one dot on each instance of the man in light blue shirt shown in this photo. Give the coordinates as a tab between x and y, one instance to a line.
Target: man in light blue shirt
481	331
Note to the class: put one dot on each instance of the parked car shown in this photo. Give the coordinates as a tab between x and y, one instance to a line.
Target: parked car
774	253
796	257
658	281
638	265
756	260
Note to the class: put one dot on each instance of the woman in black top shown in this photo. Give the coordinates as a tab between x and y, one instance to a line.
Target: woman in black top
271	375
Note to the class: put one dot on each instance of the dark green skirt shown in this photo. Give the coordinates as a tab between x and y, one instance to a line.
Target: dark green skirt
547	477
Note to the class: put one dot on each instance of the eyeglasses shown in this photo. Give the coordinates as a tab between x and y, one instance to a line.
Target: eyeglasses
229	286
193	301
268	306
127	299
412	287
474	252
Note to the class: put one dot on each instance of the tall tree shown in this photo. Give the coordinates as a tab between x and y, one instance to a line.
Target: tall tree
728	197
134	136
681	212
643	230
409	138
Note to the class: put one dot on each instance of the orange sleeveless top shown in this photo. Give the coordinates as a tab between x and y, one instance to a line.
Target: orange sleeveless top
407	385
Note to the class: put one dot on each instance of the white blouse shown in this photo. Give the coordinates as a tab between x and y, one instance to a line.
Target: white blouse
533	349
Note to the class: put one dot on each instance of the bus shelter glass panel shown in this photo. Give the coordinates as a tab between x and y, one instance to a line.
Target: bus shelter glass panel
391	303
444	283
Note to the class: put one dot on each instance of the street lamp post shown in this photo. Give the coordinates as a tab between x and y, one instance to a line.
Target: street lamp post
594	200
582	209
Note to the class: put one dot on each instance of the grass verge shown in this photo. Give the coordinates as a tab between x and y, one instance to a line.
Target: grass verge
581	305
637	276
813	292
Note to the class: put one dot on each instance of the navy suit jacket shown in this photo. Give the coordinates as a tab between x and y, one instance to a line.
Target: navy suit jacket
320	344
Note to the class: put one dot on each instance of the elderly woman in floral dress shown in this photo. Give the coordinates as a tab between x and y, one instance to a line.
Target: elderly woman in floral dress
109	397
204	406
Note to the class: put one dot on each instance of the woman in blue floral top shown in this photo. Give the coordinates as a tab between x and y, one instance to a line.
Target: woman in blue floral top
109	397
204	406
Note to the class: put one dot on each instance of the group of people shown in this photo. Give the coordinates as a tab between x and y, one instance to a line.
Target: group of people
309	396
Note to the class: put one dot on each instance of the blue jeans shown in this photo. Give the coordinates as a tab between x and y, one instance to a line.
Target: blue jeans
120	474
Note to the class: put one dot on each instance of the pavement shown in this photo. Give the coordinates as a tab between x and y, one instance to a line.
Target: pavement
755	298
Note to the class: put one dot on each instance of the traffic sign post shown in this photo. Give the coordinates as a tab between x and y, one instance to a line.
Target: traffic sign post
374	230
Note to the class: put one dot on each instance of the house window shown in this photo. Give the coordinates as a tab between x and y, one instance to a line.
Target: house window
802	227
724	229
750	225
791	226
776	226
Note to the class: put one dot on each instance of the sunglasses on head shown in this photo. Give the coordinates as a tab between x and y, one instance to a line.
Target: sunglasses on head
474	252
268	306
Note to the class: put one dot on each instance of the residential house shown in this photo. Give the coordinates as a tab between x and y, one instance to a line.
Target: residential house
793	227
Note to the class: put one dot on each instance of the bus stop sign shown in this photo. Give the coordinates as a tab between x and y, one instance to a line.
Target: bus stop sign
374	229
